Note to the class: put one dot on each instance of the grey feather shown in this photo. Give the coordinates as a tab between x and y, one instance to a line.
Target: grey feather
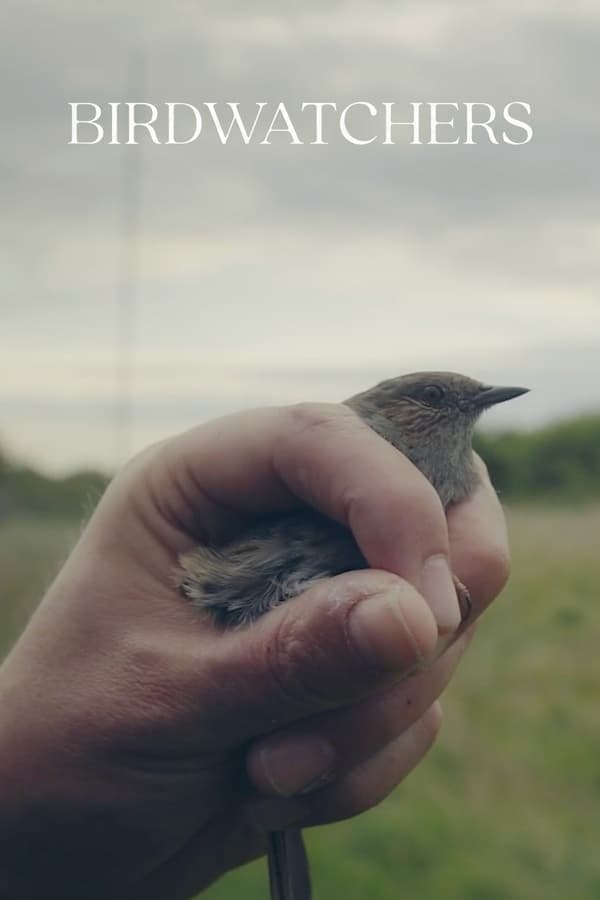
277	561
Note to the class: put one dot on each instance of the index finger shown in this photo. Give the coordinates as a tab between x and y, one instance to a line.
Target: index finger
266	460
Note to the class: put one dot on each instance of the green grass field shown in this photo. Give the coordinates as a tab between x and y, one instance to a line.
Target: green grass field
507	804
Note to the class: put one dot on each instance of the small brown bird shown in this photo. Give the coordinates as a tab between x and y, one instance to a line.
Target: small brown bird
428	416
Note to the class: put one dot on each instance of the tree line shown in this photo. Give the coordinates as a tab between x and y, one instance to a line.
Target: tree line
557	463
560	462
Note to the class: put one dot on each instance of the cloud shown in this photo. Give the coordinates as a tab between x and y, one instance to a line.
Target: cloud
303	259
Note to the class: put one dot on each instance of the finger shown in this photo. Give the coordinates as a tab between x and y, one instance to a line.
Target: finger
342	640
479	544
322	454
324	747
372	781
358	790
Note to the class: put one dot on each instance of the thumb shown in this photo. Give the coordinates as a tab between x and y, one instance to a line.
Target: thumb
344	638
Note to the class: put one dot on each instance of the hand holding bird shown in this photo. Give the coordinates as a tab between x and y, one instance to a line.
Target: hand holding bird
428	416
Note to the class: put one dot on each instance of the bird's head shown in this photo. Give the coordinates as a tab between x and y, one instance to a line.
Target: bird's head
430	417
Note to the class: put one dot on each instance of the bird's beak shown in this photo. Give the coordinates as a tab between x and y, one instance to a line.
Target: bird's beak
489	396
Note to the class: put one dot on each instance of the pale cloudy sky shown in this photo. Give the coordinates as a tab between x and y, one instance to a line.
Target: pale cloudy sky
273	274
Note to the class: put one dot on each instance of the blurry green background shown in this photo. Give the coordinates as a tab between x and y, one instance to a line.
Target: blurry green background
506	804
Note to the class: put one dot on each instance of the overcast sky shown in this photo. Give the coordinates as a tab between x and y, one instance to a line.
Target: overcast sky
277	273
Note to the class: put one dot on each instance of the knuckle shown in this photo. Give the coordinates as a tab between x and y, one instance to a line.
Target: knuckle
295	667
315	421
305	429
318	415
138	464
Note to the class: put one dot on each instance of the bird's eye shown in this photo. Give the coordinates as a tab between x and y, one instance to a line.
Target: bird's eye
433	394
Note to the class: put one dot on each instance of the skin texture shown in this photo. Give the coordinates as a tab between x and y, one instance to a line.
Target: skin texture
143	753
427	416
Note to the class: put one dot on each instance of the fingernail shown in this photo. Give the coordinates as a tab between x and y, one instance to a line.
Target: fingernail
297	766
378	627
437	586
465	604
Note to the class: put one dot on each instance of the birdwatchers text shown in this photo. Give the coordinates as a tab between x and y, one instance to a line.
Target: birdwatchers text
317	123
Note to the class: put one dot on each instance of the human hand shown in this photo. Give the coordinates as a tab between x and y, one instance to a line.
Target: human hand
144	752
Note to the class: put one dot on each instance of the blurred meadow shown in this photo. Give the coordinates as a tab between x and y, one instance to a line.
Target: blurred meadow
506	804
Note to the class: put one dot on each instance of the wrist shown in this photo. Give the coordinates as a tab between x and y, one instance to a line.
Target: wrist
35	861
